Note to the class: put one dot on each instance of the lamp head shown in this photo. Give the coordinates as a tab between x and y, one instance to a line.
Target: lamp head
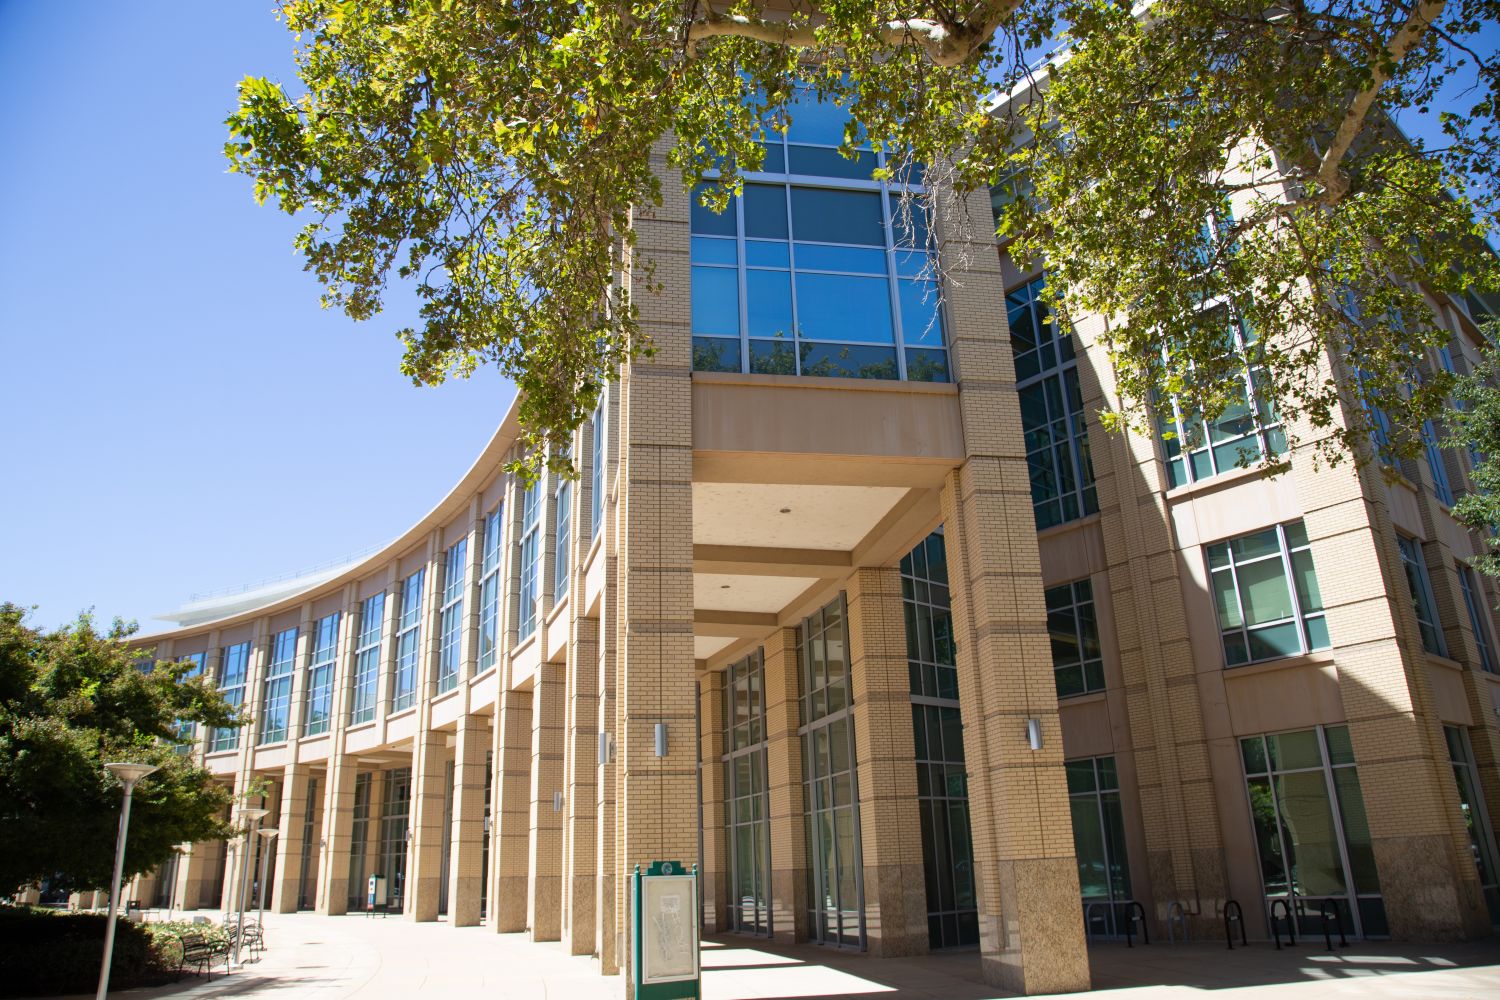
268	832
129	773
254	813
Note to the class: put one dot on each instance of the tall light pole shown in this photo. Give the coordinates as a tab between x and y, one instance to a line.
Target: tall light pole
267	834
252	816
128	774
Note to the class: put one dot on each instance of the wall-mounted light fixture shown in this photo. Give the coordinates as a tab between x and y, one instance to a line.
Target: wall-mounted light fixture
606	748
661	739
557	802
1034	733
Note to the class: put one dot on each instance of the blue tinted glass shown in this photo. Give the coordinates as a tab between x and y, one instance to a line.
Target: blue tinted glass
908	223
842	307
837	216
818	122
923	364
768	298
713	355
758	254
849	361
710	223
716	301
772	357
765	211
813	257
709	250
920	323
775	162
913	263
816	161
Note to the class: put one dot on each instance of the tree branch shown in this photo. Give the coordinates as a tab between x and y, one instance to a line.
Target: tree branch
947	42
1334	182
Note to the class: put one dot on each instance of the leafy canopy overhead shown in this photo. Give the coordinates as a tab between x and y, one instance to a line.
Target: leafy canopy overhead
70	701
490	155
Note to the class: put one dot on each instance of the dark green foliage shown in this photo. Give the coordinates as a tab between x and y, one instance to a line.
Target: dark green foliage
70	701
1476	427
50	954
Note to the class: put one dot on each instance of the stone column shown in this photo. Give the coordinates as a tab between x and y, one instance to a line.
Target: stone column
338	788
429	758
656	672
510	813
715	871
287	884
606	928
1026	876
789	859
580	780
466	857
428	792
544	884
890	825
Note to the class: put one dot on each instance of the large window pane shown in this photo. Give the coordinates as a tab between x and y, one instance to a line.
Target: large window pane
716	301
823	215
769	303
765	212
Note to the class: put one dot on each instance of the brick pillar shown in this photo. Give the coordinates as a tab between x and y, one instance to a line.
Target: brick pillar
890	825
1025	873
428	794
580	783
287	884
465	862
338	832
715	871
656	674
510	813
544	868
606	807
784	784
194	873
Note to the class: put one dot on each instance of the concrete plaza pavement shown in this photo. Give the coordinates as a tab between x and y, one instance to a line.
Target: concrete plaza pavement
373	958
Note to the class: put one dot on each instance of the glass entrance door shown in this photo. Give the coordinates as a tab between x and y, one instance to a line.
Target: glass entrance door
836	898
748	817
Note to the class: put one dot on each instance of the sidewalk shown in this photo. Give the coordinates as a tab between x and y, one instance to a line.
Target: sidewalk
330	958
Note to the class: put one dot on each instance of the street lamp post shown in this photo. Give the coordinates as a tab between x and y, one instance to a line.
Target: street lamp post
252	816
267	834
128	774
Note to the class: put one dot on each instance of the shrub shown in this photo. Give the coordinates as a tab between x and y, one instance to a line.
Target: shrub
46	954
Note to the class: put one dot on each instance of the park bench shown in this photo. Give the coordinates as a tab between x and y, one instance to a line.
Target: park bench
201	953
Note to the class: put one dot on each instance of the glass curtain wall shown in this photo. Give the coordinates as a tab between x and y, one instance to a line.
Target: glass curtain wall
748	819
1052	416
817	269
359	840
1099	843
187	730
1266	595
1478	616
489	592
1421	595
304	871
325	651
836	878
1476	817
234	662
451	615
367	659
408	643
942	782
531	557
1077	658
394	820
484	848
1310	827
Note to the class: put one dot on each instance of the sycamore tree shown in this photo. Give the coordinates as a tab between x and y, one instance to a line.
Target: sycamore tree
1169	163
70	701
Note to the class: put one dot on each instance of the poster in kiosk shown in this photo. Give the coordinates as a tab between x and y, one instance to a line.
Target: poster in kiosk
664	932
375	898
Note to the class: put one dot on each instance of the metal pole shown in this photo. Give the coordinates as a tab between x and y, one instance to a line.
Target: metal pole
254	816
128	774
265	857
114	893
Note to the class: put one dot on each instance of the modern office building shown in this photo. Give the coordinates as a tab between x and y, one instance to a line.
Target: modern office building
854	605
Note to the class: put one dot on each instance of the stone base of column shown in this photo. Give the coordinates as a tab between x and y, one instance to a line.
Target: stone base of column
1021	954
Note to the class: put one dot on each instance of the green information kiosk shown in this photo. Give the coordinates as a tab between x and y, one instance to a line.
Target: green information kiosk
664	932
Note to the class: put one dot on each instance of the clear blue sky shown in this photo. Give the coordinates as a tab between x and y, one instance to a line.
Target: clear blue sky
180	414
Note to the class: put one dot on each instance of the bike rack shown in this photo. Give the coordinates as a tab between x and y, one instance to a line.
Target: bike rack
1237	917
1088	920
1132	907
1330	911
1175	906
1291	924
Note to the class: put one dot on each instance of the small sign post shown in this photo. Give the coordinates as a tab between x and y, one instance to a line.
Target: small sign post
375	895
664	932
